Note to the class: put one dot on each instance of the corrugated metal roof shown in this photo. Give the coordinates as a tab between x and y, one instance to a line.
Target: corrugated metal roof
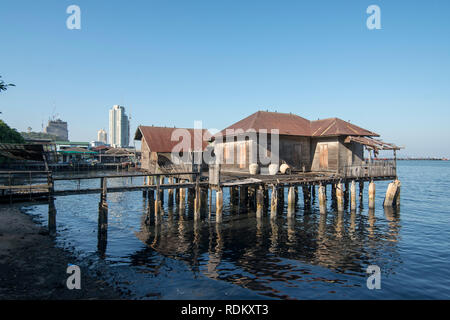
292	124
159	139
337	127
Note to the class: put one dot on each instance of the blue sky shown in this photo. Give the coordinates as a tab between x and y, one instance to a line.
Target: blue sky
173	62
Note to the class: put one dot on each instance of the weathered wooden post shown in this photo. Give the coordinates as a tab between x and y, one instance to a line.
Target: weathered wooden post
346	194
243	198
291	202
392	194
274	202
219	205
340	197
306	196
51	217
157	199
170	193
161	195
371	195
102	218
361	192
197	200
144	191
353	196
176	192
322	199
182	197
259	202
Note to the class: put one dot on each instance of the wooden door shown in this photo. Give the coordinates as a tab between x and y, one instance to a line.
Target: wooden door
323	156
297	155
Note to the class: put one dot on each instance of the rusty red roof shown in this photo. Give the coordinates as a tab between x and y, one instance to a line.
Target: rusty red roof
337	127
159	139
286	123
292	124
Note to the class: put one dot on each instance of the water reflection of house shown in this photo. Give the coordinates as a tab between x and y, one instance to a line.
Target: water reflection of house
322	145
157	144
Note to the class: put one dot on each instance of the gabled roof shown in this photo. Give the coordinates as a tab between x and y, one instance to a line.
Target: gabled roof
159	139
286	123
294	125
337	127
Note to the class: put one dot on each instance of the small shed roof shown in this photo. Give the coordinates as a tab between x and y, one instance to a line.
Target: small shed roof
159	139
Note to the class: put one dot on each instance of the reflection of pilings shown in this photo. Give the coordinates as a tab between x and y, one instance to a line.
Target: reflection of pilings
102	234
371	195
393	217
340	224
51	217
372	220
190	196
182	198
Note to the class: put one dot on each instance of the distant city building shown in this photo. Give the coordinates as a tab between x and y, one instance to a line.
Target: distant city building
94	144
119	127
58	128
102	136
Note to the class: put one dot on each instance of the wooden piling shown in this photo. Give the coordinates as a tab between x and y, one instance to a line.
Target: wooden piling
291	202
322	199
371	195
219	205
340	197
274	203
182	197
392	193
170	193
259	202
361	192
306	196
353	196
243	198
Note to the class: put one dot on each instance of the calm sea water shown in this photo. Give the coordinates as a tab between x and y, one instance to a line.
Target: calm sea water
315	256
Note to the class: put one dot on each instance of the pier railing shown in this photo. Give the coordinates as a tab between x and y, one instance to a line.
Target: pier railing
377	168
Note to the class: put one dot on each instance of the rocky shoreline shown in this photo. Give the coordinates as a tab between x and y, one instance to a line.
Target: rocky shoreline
32	267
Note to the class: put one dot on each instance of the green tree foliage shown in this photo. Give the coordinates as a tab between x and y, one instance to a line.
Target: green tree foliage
4	86
9	135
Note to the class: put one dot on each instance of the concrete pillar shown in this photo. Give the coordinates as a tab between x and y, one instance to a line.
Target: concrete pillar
353	196
340	197
371	195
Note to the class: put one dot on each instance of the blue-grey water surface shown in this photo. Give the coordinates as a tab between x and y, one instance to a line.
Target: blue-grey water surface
312	257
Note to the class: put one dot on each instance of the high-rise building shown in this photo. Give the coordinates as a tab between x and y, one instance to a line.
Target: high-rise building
119	127
102	136
58	128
